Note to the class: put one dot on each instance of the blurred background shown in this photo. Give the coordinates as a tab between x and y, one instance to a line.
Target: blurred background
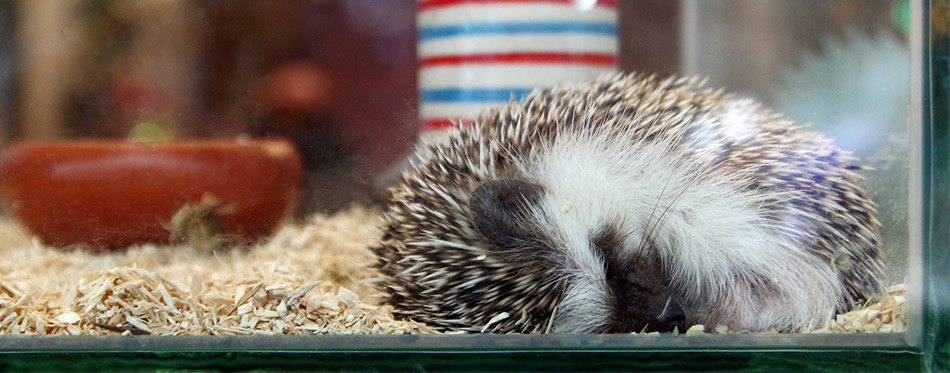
339	77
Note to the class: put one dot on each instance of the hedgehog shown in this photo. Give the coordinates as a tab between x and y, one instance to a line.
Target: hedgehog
629	204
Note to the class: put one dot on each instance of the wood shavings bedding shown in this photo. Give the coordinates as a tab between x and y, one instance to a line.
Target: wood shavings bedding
309	278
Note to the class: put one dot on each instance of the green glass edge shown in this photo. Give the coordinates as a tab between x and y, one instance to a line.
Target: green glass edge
496	361
937	213
875	352
544	353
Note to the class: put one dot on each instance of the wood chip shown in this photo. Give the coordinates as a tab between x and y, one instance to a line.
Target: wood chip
347	297
296	294
696	329
247	296
68	318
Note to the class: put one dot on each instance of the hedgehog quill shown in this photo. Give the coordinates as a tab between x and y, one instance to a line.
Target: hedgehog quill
630	204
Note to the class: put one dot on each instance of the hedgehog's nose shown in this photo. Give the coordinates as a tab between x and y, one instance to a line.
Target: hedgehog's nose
498	207
672	317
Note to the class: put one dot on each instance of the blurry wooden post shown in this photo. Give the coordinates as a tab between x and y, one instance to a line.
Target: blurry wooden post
45	39
650	36
167	46
7	53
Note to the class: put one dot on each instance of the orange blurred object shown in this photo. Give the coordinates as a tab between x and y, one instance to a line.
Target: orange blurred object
298	86
112	194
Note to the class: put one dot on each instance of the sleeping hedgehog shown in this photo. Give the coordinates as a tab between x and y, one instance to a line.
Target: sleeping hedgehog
630	204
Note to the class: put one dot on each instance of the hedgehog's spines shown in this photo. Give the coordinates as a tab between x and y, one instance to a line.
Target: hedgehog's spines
802	181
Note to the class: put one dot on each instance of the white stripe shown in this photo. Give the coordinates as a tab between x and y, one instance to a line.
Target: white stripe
454	110
465	13
506	75
570	42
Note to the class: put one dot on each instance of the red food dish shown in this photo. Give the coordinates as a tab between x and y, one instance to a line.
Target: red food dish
112	194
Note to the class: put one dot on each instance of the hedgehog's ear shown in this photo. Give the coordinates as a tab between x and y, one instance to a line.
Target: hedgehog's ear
499	207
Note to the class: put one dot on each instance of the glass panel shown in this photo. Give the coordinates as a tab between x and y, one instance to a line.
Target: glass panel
178	168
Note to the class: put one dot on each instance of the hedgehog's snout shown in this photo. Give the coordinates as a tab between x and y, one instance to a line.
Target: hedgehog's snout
498	209
641	300
672	317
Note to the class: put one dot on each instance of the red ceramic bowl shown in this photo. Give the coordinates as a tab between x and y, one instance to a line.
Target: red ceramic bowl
112	194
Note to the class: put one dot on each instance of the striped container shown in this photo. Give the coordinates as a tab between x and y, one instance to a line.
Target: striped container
475	54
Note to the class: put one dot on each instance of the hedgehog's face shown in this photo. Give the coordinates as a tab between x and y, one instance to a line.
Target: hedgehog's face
605	288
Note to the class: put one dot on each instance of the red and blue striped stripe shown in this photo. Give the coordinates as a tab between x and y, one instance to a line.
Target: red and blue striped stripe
602	59
474	94
461	42
430	4
488	28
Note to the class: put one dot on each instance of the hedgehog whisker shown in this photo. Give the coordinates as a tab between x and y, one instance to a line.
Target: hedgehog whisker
646	235
664	217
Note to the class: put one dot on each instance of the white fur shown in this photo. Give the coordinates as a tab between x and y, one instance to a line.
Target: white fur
712	235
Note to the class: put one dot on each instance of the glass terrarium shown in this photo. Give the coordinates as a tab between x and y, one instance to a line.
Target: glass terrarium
207	184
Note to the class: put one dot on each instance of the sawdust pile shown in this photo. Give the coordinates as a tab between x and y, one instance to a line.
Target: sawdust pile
310	278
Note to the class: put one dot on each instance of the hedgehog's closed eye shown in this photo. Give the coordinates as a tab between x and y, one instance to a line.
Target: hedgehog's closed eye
498	209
